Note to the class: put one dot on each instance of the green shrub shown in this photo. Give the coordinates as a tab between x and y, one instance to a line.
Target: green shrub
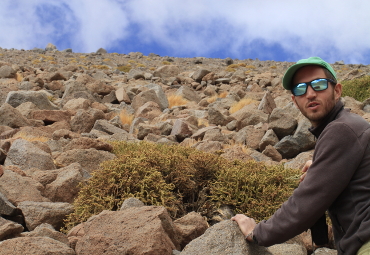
358	88
183	180
253	188
124	68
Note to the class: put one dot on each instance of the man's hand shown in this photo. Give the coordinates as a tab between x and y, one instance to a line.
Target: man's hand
246	224
304	169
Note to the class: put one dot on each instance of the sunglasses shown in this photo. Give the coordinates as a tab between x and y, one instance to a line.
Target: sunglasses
317	85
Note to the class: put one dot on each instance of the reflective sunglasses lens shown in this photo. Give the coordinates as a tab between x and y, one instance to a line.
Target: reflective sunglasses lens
299	89
320	84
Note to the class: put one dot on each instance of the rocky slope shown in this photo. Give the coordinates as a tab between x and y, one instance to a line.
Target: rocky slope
58	109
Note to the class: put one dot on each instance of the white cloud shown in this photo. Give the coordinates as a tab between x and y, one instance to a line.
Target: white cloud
193	27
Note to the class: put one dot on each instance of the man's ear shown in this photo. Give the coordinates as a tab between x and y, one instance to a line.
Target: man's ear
337	91
295	103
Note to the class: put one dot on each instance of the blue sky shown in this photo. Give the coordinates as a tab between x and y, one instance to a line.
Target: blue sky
285	30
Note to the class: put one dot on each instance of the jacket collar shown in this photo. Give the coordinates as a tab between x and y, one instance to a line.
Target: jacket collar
316	131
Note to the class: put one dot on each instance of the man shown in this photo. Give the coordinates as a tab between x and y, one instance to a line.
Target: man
338	180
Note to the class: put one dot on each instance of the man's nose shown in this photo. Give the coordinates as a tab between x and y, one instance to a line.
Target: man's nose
310	92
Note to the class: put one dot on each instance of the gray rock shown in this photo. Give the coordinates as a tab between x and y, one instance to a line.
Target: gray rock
189	227
223	80
267	103
6	208
47	230
303	136
249	116
229	61
140	230
253	136
122	96
208	146
299	161
199	74
165	127
39	98
82	122
146	129
217	118
181	130
288	147
199	134
282	122
35	245
135	124
50	47
135	74
89	159
26	155
36	213
19	188
38	50
214	135
260	157
163	101
67	50
325	251
223	238
188	93
131	202
269	138
101	51
11	117
7	72
105	126
146	96
287	249
75	89
167	71
272	153
65	186
9	229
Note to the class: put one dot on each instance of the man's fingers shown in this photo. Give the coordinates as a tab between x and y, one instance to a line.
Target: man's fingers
302	177
306	165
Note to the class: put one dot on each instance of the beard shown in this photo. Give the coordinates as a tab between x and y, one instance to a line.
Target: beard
317	115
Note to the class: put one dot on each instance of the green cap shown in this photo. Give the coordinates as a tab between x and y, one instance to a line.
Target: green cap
288	76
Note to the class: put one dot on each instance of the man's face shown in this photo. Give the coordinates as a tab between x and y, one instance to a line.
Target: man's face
315	105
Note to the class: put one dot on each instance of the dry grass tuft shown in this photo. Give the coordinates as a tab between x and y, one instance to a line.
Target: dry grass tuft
203	123
175	100
215	97
31	138
239	105
125	117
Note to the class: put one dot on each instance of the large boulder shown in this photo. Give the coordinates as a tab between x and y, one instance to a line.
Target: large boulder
36	213
35	245
17	188
89	159
189	227
7	72
223	238
282	122
167	71
188	93
9	229
65	186
47	230
146	96
140	230
11	117
26	155
39	98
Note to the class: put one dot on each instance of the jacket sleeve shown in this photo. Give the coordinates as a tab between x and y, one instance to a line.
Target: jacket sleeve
337	155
